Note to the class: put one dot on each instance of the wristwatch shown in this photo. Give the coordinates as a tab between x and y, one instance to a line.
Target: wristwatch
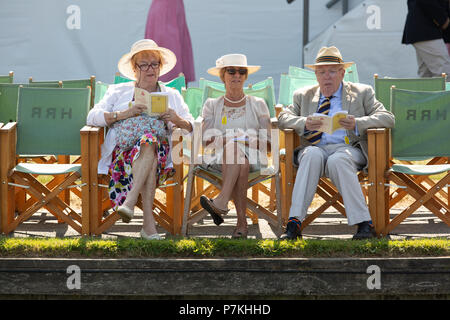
115	114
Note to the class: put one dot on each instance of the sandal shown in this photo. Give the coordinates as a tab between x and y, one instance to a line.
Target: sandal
239	234
215	213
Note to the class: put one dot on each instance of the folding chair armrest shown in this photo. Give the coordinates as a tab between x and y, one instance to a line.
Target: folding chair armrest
278	109
196	140
8	135
274	122
379	144
288	143
177	148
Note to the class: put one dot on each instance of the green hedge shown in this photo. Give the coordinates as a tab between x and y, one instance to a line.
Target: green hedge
218	247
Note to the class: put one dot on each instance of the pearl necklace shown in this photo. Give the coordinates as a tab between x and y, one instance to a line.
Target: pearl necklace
238	101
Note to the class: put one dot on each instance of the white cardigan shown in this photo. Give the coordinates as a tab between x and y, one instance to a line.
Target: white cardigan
117	98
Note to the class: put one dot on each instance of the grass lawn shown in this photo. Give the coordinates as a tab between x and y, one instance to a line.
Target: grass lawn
218	247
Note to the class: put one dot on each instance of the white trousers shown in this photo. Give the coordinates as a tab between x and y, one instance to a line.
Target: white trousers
340	163
432	58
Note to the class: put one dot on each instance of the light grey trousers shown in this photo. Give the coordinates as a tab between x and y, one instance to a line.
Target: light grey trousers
340	163
432	58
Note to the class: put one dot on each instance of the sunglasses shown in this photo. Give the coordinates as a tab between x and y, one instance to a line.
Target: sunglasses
233	71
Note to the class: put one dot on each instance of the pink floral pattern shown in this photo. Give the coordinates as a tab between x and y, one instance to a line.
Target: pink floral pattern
128	131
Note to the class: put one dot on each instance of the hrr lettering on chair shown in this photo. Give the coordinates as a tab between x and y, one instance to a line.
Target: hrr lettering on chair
51	113
412	114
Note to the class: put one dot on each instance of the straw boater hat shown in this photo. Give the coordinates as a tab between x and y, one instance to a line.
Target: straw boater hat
329	56
168	58
232	60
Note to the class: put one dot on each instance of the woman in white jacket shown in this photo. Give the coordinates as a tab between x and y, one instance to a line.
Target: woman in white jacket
147	162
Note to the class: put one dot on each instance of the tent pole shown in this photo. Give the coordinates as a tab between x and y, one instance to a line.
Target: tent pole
305	28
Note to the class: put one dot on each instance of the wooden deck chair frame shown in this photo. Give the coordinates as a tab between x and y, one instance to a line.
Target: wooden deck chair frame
395	180
168	215
325	188
16	175
197	173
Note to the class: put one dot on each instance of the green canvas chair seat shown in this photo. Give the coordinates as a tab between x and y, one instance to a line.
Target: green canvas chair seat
253	177
421	130
417	169
48	169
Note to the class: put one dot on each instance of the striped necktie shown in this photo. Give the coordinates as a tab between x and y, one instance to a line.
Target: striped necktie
315	136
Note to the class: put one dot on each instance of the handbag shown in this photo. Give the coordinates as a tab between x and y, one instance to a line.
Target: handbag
130	130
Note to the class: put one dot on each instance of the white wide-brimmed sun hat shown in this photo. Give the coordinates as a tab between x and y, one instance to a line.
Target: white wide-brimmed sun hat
232	60
168	57
329	56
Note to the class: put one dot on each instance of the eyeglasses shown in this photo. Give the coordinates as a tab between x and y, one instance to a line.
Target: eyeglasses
332	73
146	66
233	71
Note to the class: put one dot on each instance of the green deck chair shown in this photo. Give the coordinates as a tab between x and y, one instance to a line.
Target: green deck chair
202	83
100	90
9	93
383	86
301	73
178	83
421	129
7	79
73	84
120	79
48	122
288	84
351	73
262	90
193	97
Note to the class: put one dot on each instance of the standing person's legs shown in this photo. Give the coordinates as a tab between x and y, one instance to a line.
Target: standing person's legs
432	58
342	168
